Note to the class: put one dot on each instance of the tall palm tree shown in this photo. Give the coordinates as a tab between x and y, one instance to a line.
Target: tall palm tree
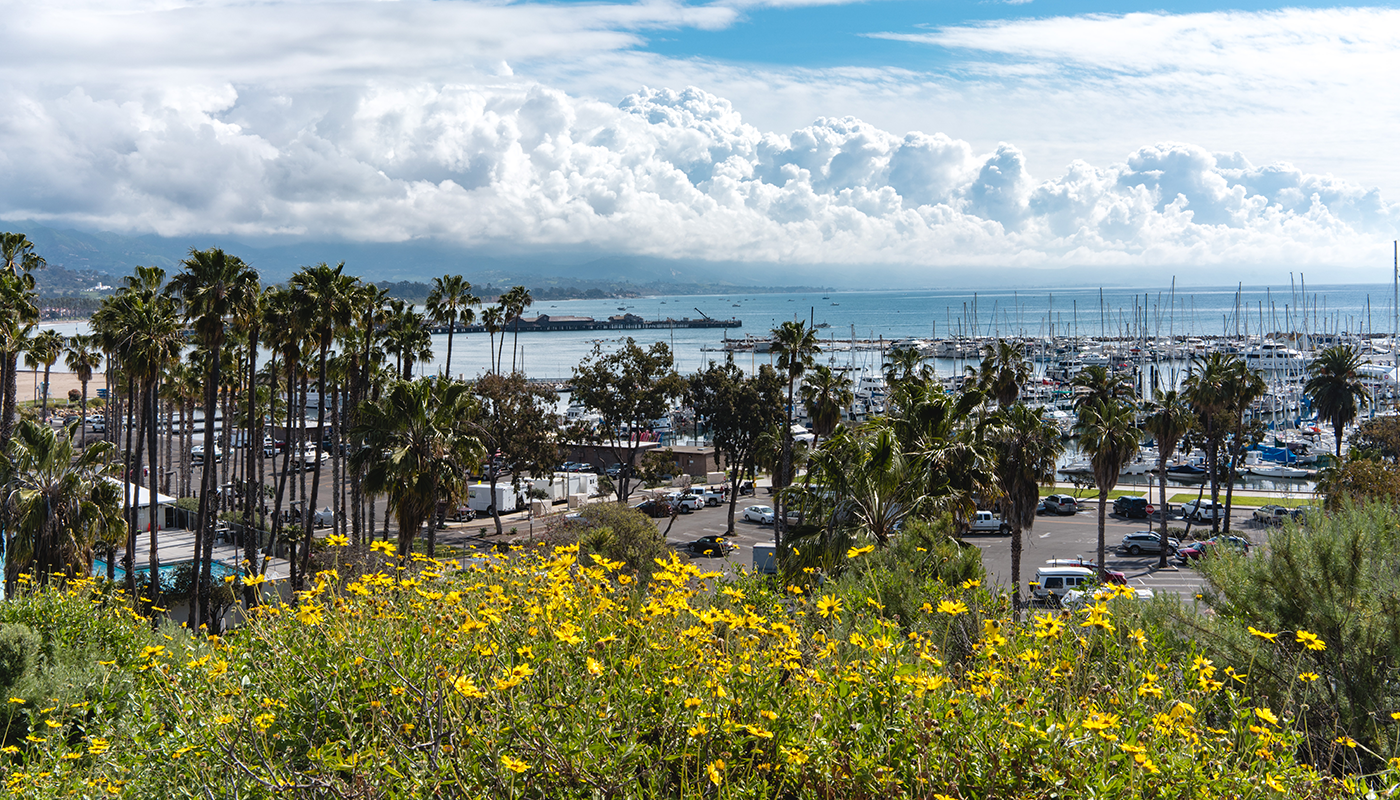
825	393
1243	386
1004	370
450	303
517	299
45	347
1027	447
211	287
1169	418
1207	390
82	357
18	259
248	317
1101	384
493	319
1335	388
59	497
869	480
1107	434
795	345
325	293
406	335
901	363
418	446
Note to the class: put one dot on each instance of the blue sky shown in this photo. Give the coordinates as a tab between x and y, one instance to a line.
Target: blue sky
908	140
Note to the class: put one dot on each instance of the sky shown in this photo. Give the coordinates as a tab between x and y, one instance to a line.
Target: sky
878	143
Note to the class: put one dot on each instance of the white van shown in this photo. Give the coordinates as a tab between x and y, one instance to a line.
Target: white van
1053	582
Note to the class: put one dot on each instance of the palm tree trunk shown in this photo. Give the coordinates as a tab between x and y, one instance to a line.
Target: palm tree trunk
83	411
169	446
1017	543
1162	509
779	503
130	559
1103	520
451	329
1230	477
316	454
253	424
153	507
203	535
1214	465
44	409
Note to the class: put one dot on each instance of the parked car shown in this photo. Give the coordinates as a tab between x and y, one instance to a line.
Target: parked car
1202	510
1077	598
1195	550
713	545
1062	504
1271	514
1052	582
568	466
197	454
1301	512
324	518
1106	575
763	515
613	470
654	508
308	456
1132	507
1140	542
714	497
687	501
986	522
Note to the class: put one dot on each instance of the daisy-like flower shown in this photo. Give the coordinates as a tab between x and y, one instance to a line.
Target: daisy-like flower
1310	640
828	606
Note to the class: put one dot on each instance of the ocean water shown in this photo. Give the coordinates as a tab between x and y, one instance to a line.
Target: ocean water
893	315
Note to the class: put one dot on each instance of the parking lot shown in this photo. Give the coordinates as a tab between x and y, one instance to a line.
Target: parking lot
1051	537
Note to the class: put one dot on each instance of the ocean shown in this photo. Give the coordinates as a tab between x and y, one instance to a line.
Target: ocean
894	315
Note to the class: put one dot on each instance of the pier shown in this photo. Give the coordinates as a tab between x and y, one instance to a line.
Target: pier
617	322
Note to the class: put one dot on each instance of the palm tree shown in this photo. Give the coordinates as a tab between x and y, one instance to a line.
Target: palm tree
211	287
1243	386
901	363
1101	385
44	349
1003	372
449	303
493	319
1168	420
406	335
516	301
870	482
1108	436
825	393
249	318
325	294
82	357
1207	388
795	345
1335	388
18	259
1027	447
59	501
418	446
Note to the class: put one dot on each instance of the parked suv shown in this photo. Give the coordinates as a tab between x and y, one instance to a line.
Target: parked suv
1059	504
1140	542
1132	507
1202	511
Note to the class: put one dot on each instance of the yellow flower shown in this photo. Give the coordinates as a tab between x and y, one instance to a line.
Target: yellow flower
970	584
757	732
309	614
1310	641
715	770
1346	740
264	721
19	700
1266	715
692	702
466	688
337	540
223	719
514	764
828	605
952	607
594	668
1140	639
1274	784
387	548
855	552
1253	631
1100	722
794	756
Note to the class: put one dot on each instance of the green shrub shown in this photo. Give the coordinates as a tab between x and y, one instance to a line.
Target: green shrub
19	649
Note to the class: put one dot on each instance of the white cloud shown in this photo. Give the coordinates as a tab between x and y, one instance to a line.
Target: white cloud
406	121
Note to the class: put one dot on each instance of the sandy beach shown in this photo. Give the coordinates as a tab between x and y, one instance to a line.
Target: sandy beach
59	384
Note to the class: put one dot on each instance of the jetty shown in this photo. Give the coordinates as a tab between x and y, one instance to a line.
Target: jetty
617	322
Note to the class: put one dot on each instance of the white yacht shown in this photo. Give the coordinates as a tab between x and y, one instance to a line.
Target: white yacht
1274	357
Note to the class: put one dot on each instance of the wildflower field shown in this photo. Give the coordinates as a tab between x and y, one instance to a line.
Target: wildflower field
546	673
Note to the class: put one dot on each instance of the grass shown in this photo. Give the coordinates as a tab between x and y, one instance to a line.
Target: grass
1249	500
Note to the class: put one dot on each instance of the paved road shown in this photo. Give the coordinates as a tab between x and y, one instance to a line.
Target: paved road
1051	537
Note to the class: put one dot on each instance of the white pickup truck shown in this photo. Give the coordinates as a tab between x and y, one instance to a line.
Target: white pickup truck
986	522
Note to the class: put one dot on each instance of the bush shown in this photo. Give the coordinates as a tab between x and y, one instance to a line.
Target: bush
1334	578
19	649
616	532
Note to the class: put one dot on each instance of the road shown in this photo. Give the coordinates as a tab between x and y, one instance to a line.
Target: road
1051	537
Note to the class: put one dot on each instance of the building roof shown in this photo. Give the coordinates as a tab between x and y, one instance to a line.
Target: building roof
141	495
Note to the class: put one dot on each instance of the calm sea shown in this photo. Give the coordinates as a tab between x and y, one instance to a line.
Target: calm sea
893	315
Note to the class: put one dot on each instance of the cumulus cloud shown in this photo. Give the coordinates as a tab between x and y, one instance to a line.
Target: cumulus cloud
349	121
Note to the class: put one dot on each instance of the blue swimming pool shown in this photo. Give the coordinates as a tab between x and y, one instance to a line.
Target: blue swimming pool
218	570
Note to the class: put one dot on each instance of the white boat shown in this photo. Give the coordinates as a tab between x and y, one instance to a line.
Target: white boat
1277	471
1274	357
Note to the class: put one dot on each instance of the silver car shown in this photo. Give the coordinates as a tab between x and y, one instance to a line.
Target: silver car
1140	542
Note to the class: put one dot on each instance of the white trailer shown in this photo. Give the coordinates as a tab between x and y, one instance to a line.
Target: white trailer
482	499
765	560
